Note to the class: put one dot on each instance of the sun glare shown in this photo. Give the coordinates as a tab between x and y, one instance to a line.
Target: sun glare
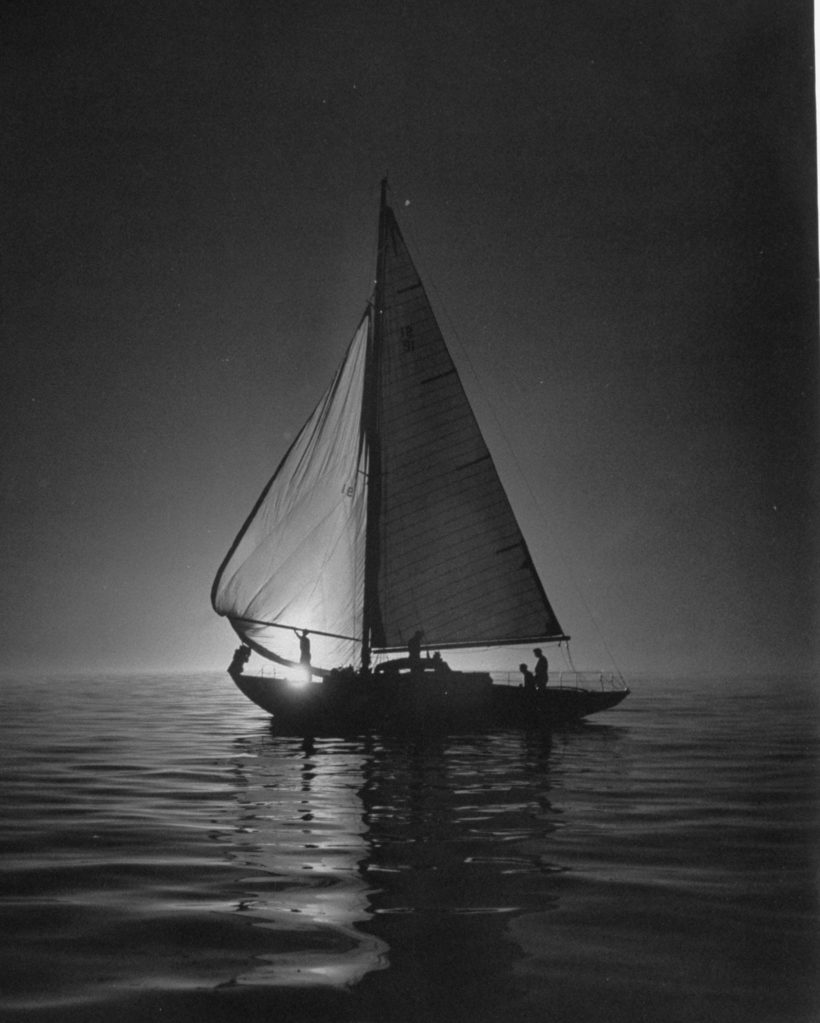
301	679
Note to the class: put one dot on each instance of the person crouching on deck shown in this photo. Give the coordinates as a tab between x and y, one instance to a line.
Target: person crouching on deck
240	659
529	680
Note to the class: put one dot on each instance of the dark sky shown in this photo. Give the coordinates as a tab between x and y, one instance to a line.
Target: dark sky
614	204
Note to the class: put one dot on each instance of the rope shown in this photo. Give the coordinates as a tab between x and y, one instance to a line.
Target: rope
568	654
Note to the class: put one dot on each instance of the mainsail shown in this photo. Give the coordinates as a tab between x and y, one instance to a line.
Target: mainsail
387	514
451	558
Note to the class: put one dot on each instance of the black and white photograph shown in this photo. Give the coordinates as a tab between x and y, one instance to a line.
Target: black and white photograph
409	502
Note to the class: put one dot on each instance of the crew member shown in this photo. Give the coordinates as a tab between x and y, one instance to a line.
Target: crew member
529	679
542	670
414	648
304	648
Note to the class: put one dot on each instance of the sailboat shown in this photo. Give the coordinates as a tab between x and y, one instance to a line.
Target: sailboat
385	538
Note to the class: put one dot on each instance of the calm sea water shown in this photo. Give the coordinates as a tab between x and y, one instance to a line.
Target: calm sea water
165	856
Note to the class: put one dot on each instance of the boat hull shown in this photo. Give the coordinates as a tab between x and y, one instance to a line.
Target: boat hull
459	700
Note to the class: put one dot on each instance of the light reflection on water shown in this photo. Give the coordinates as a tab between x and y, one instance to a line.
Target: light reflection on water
302	831
163	851
340	834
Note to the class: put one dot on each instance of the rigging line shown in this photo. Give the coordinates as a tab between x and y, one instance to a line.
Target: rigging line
453	333
374	257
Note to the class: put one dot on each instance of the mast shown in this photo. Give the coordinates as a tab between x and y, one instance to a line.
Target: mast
373	445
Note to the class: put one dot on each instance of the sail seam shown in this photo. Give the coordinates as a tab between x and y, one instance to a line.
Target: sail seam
475	461
439	376
512	547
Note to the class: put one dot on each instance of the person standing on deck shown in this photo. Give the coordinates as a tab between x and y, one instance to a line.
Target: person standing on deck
414	648
542	670
304	649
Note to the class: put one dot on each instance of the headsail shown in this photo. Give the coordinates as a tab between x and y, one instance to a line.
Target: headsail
299	560
451	558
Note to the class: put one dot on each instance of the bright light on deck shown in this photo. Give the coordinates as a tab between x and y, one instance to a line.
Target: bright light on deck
301	679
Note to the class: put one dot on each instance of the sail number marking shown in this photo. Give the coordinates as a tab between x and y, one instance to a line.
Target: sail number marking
408	342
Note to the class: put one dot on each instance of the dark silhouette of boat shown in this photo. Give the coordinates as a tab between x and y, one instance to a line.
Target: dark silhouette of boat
386	530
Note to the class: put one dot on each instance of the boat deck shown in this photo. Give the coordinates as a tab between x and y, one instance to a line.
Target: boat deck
422	699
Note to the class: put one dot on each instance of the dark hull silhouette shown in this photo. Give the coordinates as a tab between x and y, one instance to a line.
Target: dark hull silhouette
394	700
